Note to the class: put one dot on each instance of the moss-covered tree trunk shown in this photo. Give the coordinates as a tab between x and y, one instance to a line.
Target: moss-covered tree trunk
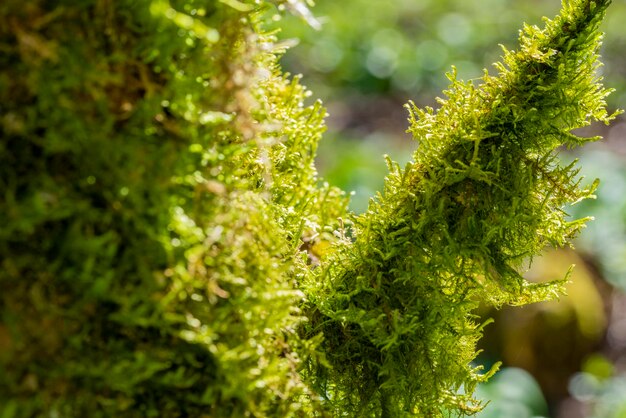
167	250
156	179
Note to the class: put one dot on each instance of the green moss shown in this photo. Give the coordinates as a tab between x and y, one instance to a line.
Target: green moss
156	181
483	195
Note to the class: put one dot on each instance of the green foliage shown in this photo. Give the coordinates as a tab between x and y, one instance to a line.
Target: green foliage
167	250
483	195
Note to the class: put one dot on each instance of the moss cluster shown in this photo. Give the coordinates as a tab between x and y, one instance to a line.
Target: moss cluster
166	248
483	195
156	178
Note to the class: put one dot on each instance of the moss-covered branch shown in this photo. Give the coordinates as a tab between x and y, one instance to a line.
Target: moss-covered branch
483	195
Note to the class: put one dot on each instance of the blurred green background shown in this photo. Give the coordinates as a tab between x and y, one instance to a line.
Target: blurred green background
563	359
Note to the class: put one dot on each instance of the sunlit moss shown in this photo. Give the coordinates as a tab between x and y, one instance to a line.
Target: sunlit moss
483	195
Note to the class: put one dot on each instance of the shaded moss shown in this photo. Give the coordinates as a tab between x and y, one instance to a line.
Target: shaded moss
156	180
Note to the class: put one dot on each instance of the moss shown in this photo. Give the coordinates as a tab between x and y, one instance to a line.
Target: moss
483	195
157	178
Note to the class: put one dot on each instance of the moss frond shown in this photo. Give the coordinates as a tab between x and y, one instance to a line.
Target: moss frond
483	194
